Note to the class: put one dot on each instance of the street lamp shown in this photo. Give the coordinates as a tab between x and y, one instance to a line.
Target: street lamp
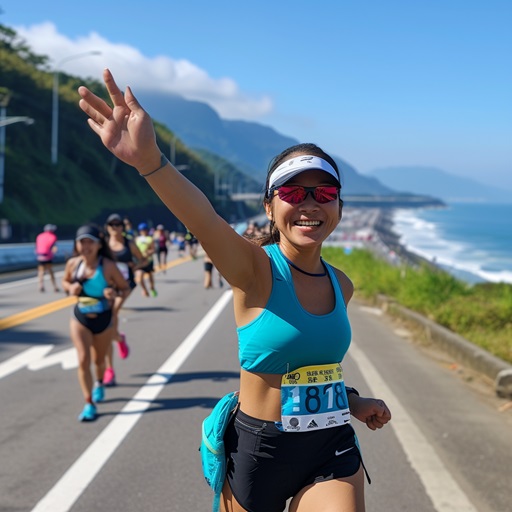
172	155
55	102
172	149
5	121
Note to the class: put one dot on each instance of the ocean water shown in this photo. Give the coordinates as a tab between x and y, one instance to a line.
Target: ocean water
471	240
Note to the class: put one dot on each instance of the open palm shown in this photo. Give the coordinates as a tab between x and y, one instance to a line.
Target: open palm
125	129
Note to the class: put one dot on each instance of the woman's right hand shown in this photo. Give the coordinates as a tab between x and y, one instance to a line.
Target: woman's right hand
125	129
75	289
375	413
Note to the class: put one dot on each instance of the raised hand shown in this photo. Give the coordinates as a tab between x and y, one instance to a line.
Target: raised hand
125	129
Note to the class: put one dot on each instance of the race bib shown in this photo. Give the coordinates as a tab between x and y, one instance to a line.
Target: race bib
313	398
124	269
90	305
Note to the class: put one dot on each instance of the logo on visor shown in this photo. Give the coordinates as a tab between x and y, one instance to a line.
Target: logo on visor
306	159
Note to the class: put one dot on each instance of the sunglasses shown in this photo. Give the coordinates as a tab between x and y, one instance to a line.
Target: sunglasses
296	194
115	224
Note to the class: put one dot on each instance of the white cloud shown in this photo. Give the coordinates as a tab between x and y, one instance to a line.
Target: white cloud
131	67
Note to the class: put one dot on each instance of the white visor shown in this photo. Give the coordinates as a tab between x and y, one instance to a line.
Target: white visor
291	168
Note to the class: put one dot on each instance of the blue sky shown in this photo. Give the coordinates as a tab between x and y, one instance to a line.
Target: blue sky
377	83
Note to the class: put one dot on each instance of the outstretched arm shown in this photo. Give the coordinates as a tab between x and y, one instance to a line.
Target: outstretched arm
126	129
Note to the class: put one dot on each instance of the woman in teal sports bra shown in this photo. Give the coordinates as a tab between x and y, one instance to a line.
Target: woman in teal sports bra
291	435
93	277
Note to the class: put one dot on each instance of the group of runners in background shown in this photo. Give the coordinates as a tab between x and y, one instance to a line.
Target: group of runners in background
107	264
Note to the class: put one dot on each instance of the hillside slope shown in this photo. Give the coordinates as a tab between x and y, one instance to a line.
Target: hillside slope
87	183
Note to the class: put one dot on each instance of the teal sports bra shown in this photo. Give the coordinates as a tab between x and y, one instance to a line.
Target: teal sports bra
93	286
284	336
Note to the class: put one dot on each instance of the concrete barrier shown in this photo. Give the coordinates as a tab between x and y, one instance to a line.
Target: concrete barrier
461	349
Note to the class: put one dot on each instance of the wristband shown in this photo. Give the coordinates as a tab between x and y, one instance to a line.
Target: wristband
163	163
351	391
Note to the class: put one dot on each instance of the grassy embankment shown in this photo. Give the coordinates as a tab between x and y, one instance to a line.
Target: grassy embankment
481	313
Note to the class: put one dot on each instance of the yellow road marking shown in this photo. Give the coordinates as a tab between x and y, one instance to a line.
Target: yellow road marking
51	307
31	314
173	263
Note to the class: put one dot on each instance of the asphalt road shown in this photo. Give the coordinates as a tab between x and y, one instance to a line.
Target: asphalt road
448	447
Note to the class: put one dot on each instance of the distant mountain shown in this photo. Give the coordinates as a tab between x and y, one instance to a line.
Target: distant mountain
249	146
87	183
438	183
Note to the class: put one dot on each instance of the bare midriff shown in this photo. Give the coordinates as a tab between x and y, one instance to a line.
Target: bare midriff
260	395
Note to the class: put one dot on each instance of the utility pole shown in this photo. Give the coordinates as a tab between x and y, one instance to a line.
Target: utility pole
5	96
55	102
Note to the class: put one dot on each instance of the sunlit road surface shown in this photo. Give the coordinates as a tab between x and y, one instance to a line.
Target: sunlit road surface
448	447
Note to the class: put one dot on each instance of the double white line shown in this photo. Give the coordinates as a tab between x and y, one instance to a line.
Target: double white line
76	479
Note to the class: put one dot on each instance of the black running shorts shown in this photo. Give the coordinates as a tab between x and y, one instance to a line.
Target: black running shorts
95	323
266	466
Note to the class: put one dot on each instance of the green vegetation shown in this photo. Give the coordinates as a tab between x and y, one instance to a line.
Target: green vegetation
87	183
481	313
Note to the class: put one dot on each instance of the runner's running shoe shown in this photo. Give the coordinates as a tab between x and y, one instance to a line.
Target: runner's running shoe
98	393
154	293
88	413
122	346
109	377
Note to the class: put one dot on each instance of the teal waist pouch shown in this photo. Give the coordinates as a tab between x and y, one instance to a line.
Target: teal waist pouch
213	454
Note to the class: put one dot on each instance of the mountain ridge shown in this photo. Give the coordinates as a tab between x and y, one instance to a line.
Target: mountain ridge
248	145
417	179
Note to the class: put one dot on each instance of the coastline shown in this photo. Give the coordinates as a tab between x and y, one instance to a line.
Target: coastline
384	229
373	229
472	241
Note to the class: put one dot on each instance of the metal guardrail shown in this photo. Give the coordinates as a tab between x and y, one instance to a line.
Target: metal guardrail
23	256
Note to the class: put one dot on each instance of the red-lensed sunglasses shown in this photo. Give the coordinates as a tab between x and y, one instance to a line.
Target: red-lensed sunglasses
296	194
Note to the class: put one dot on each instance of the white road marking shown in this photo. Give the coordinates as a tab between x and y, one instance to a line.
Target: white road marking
31	280
23	359
35	358
74	482
443	490
373	311
21	282
68	359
